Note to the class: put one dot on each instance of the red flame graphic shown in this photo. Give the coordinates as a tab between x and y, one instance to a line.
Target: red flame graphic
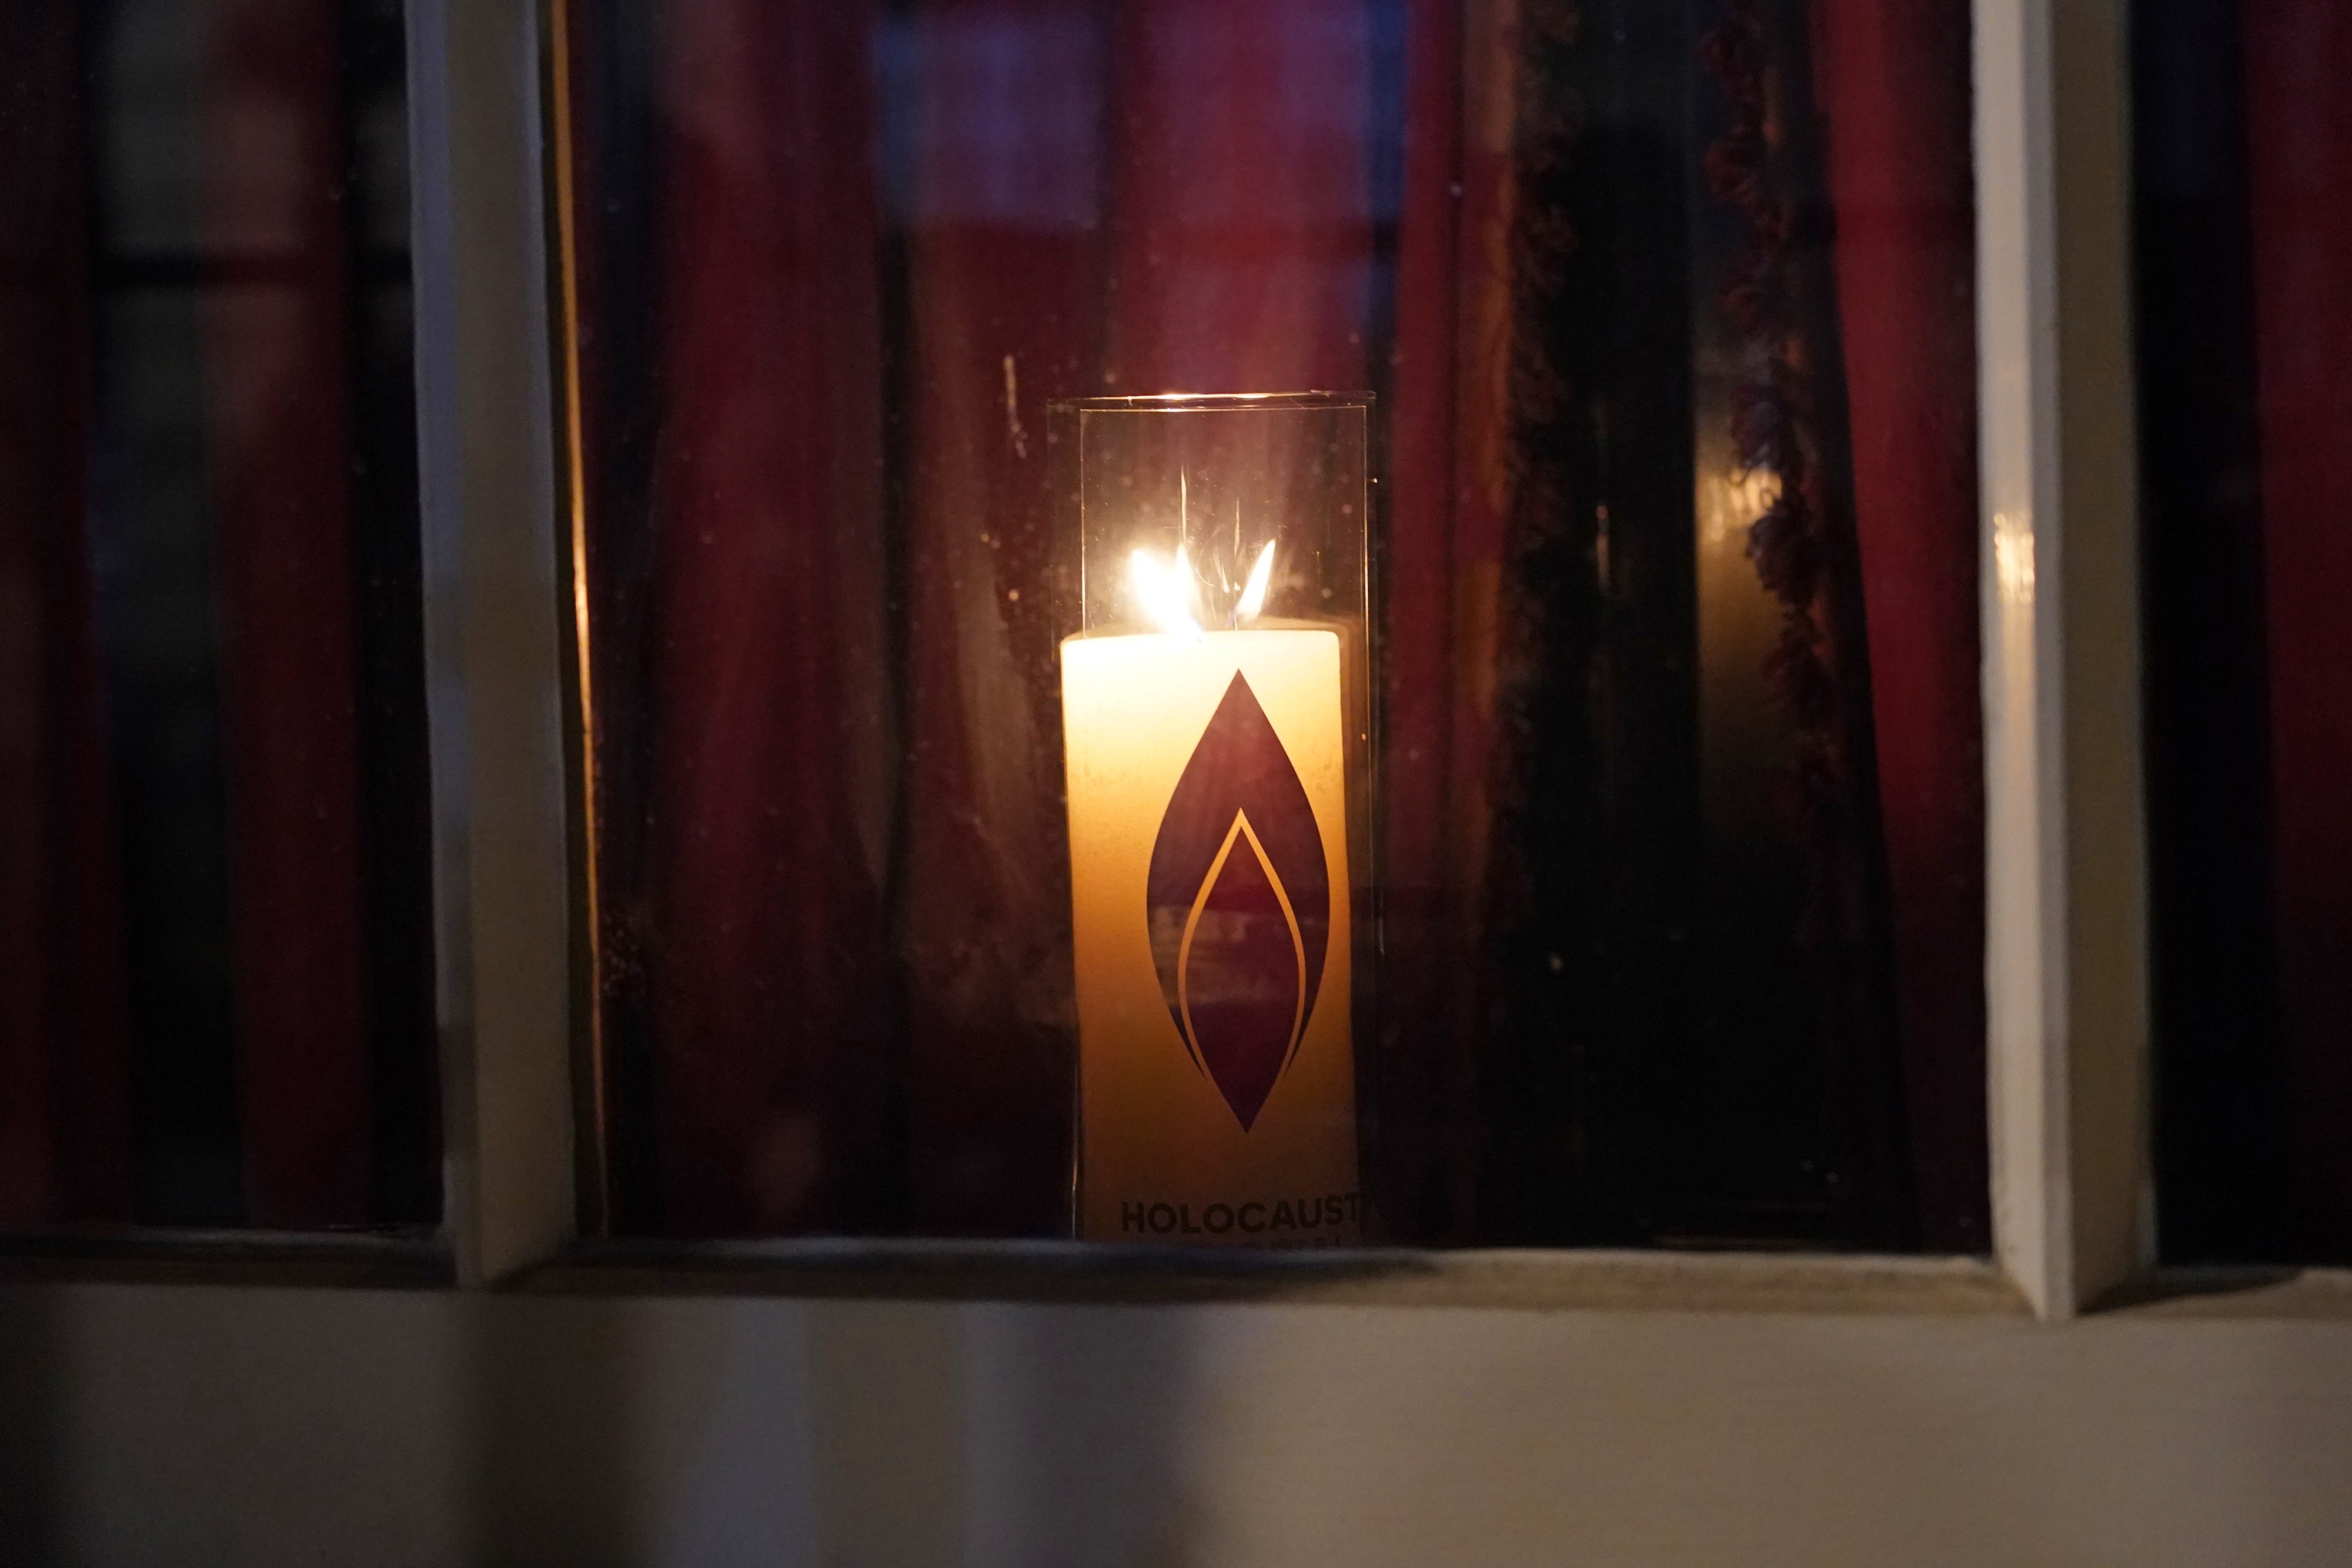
1239	903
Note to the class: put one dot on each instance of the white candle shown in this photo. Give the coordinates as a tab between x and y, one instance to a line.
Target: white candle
1210	892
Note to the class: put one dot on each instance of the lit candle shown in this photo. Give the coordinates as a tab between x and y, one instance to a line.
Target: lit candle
1210	889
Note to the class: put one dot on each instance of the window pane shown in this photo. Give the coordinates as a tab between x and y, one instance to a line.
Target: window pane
214	865
2245	314
1667	314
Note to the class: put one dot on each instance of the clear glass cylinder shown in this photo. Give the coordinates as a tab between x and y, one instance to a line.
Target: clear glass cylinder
1217	743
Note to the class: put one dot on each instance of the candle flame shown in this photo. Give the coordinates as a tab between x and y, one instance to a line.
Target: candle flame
1254	593
1165	596
1169	596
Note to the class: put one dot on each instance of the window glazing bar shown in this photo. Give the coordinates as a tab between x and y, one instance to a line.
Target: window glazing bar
493	645
2066	952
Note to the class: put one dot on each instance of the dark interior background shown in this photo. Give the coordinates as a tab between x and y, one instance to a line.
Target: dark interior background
2244	254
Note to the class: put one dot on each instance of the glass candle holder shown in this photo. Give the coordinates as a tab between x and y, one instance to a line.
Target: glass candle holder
1217	738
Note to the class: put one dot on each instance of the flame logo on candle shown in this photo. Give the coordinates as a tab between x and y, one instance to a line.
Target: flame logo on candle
1239	904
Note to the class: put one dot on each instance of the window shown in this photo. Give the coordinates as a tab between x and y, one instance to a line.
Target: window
1862	1405
1666	322
1746	839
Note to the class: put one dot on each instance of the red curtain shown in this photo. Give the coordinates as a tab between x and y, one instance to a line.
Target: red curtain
64	1149
2297	54
1005	233
1892	80
1240	196
768	811
278	442
270	242
1449	501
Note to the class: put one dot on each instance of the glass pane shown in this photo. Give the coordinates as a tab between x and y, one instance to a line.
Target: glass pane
2244	288
1664	316
215	940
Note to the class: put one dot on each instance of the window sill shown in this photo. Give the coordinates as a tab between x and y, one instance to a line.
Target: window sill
406	1260
1060	1271
2284	1293
1049	1272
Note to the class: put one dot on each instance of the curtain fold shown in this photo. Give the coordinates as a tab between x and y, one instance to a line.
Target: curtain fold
2221	1114
766	927
64	1129
1005	242
1892	80
1418	905
276	321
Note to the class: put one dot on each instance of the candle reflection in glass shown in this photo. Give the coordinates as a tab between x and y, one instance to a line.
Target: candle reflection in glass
1746	742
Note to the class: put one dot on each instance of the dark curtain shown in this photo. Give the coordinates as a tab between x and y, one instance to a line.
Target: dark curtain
1894	89
214	927
769	624
2299	204
64	1142
1445	387
823	616
2244	249
278	367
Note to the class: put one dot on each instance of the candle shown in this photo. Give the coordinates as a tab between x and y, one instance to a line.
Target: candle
1217	741
1209	890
